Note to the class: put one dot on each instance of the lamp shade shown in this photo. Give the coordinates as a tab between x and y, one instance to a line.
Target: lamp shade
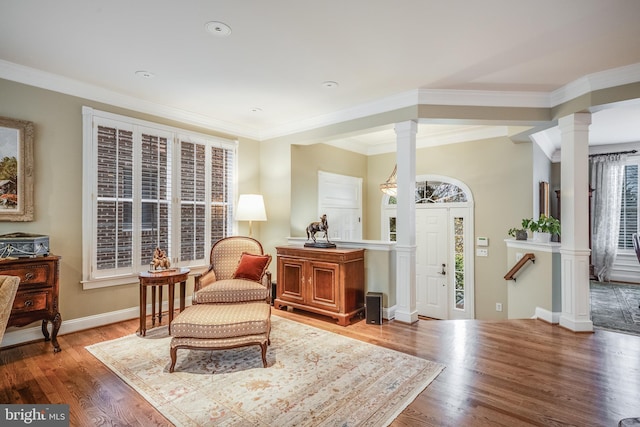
251	208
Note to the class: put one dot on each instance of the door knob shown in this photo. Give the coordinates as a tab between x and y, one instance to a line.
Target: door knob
443	272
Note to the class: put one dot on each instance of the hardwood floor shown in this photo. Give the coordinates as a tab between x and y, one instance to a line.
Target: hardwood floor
498	373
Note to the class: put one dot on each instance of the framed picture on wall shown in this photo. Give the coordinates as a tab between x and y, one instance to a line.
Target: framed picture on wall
16	170
544	198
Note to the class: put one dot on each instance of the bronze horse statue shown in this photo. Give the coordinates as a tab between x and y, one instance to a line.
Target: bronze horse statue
318	226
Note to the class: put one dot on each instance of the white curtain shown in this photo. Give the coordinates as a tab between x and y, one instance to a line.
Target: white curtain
607	173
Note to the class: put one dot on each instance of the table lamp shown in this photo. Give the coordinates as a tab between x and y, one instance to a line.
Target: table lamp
251	208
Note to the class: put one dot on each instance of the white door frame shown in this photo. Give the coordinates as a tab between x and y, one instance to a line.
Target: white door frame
340	197
463	210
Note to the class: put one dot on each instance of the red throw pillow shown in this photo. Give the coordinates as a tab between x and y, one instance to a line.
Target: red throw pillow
252	267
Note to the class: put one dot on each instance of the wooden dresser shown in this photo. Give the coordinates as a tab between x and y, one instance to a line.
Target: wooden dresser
37	297
323	281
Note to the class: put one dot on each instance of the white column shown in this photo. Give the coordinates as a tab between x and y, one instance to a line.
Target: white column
575	222
406	222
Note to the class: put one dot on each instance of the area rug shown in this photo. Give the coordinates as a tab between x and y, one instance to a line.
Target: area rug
614	306
313	378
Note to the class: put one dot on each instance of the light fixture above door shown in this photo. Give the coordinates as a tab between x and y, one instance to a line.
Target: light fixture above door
390	186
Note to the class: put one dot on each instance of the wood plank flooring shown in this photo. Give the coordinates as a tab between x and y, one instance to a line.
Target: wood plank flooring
498	373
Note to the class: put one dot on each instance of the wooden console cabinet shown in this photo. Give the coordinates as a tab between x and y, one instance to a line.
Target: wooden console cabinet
37	297
323	281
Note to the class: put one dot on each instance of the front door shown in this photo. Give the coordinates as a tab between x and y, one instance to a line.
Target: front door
432	281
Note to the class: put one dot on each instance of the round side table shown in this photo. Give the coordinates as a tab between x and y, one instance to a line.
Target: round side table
158	279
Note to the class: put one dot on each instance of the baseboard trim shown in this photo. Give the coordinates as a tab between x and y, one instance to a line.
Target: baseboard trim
389	313
547	316
28	334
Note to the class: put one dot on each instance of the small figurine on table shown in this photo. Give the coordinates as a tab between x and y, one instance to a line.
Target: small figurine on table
160	260
319	226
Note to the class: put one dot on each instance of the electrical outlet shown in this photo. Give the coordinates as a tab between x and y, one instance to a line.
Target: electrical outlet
498	306
519	256
482	252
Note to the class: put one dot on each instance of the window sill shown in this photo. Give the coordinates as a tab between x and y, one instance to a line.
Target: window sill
127	279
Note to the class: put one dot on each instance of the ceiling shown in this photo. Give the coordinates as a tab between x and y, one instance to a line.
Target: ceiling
268	77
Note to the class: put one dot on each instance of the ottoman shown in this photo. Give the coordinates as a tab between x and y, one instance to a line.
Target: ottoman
221	326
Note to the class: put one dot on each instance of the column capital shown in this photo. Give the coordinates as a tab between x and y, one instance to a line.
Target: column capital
574	121
410	126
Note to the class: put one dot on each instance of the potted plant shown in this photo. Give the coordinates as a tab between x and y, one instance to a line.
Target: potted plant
518	233
543	228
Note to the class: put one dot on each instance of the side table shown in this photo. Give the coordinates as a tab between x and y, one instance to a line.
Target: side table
160	278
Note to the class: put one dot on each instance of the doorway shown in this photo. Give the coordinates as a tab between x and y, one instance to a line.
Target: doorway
444	247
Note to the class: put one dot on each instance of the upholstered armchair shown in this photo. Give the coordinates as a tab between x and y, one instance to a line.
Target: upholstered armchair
8	288
237	273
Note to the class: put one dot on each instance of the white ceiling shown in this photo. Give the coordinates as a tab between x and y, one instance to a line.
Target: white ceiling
280	52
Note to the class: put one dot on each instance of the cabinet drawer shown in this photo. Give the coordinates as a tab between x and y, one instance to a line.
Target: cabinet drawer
31	301
29	275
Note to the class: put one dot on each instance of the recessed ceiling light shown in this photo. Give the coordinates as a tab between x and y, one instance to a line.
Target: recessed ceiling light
145	74
330	84
219	29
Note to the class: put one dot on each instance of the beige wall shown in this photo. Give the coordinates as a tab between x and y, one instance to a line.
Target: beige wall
498	172
306	162
58	188
537	284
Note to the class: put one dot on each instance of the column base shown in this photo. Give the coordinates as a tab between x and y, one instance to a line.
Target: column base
576	325
405	317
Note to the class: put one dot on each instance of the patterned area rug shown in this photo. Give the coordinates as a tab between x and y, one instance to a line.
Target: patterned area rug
614	306
313	378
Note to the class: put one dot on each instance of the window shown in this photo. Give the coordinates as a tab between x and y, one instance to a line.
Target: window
458	253
149	185
629	209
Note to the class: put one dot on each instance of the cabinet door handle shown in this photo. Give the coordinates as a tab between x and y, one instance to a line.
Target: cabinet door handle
29	276
28	303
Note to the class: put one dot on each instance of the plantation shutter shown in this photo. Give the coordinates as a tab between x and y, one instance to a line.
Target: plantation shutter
197	192
629	208
193	201
155	214
147	186
222	161
114	198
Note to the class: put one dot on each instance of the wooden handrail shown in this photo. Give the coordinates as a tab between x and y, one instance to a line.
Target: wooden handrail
511	274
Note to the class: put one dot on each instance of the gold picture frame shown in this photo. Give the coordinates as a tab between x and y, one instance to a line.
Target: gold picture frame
544	198
16	170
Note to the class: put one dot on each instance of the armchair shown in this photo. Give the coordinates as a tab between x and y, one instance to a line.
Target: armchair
8	289
230	306
237	273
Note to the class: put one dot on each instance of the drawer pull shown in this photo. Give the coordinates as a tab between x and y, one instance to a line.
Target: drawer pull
29	276
28	303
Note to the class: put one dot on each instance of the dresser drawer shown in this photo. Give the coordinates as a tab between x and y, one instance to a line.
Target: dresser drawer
31	301
29	275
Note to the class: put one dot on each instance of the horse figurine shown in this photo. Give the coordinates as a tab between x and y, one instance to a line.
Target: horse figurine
318	226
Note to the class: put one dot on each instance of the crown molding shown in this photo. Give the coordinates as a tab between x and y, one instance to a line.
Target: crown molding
383	105
54	82
484	98
413	98
596	81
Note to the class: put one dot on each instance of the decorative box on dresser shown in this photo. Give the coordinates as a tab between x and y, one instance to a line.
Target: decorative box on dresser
37	297
323	281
